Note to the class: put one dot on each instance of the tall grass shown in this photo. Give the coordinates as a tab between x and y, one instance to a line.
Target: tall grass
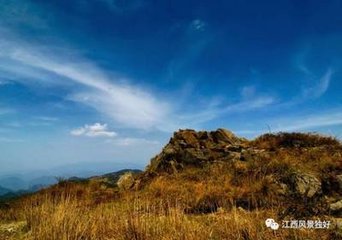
143	219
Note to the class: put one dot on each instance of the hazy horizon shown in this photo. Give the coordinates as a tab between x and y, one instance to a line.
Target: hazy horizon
109	81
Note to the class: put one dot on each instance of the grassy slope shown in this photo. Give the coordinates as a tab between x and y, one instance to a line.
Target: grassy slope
223	200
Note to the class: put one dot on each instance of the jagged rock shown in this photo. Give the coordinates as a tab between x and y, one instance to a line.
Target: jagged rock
336	207
223	135
188	147
185	138
307	185
126	181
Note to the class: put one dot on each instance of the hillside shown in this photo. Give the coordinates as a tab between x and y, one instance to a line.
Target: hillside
301	172
202	185
4	191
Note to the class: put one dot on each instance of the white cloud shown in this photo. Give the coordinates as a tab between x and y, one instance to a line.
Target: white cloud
95	130
47	118
214	112
128	105
321	86
332	118
298	123
198	25
251	104
318	85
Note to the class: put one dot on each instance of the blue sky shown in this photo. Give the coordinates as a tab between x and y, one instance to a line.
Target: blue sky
89	81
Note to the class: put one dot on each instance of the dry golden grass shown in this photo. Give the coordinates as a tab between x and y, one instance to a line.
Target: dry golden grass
138	219
222	200
171	207
295	139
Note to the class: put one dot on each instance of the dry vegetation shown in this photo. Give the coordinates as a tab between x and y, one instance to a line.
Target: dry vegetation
65	217
221	200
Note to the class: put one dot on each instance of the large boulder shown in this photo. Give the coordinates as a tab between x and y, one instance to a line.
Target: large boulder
336	207
126	181
306	185
225	136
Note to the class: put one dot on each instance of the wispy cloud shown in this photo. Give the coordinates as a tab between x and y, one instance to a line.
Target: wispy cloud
95	130
47	118
214	112
196	38
198	25
251	104
320	87
129	105
332	118
307	122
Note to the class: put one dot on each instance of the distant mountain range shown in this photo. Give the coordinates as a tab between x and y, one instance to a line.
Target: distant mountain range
3	191
14	183
33	179
12	186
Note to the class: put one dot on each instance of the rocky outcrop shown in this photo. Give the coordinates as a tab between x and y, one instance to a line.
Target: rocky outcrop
188	147
301	172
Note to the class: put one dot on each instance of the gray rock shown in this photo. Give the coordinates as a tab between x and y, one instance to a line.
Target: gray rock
126	181
307	185
336	207
223	135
